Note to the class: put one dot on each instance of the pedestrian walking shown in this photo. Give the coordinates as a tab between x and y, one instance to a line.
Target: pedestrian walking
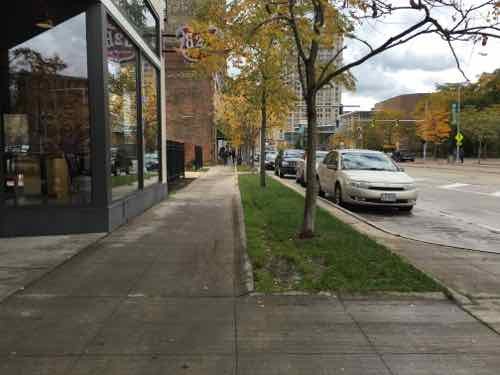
226	155
222	152
233	155
462	154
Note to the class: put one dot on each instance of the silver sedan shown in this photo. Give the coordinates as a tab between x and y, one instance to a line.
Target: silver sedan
365	177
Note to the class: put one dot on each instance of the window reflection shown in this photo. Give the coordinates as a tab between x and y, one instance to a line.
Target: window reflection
122	69
141	16
150	120
46	123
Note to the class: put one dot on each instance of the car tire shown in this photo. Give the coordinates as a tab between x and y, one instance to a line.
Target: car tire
406	209
281	174
321	192
337	195
275	171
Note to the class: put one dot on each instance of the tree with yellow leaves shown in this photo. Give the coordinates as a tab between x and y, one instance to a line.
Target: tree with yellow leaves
315	25
318	25
259	61
435	127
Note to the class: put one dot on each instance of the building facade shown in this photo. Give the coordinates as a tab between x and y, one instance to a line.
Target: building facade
328	102
406	104
352	125
82	120
189	98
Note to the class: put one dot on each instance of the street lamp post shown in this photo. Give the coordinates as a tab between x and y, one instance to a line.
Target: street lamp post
457	157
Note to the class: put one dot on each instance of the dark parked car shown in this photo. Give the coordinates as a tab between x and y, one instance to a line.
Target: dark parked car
270	158
287	162
402	156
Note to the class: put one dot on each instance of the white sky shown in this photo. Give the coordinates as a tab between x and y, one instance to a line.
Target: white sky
415	67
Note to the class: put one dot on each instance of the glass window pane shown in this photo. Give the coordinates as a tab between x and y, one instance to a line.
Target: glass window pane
141	16
46	124
151	124
122	81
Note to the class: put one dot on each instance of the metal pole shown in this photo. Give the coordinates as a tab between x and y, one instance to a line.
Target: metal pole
457	157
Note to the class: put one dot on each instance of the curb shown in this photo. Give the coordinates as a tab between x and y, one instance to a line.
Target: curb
489	168
459	298
247	284
372	224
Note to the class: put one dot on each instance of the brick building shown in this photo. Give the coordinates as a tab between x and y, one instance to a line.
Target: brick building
403	103
189	99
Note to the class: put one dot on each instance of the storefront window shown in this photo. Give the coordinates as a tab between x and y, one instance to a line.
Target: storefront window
150	121
143	18
122	81
46	124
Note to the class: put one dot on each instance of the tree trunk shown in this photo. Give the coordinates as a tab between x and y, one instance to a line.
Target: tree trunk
308	225
263	140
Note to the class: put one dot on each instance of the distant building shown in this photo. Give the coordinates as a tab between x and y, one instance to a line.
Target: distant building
190	99
327	106
405	104
352	124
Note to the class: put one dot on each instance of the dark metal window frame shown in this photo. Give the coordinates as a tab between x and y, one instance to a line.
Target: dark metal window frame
100	131
93	98
158	111
157	18
140	126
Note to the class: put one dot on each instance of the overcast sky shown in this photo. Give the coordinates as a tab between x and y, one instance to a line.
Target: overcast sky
68	41
415	67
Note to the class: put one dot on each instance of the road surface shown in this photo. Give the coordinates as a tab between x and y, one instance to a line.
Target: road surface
456	207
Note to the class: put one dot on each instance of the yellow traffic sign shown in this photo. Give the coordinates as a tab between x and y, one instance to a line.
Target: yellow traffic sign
459	138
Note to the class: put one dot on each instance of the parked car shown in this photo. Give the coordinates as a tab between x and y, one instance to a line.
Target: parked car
287	162
270	159
151	162
402	156
301	176
368	178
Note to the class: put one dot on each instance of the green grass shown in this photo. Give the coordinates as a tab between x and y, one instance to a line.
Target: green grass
245	168
337	259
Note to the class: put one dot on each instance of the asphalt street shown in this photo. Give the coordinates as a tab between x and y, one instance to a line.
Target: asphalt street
457	207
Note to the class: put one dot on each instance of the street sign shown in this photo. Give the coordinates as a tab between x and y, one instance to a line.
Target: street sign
454	110
459	138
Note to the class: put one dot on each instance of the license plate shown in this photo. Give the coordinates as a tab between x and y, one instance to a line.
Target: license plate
388	197
11	183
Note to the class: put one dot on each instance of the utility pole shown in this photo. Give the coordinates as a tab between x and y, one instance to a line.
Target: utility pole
424	151
457	157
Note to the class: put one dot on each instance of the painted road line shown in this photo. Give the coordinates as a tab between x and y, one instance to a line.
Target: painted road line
453	186
456	187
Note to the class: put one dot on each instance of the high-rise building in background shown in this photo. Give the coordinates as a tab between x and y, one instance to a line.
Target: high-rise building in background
328	102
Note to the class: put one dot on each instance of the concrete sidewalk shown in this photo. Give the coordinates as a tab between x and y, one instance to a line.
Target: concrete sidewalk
161	296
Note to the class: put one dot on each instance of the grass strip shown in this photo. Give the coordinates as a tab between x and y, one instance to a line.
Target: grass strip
338	258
